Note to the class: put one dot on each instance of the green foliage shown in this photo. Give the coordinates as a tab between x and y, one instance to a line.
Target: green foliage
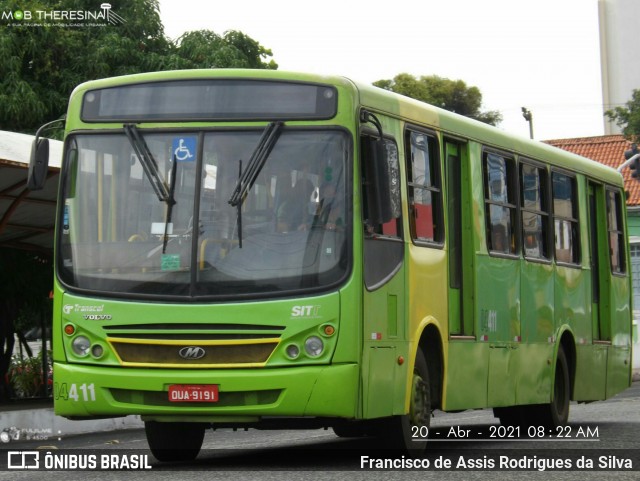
42	65
628	117
25	375
206	49
452	95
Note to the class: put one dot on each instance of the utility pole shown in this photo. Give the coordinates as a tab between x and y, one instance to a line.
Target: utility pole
528	116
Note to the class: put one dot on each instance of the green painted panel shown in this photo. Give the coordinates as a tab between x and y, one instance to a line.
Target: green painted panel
618	370
502	381
571	291
591	372
536	302
380	382
532	372
466	375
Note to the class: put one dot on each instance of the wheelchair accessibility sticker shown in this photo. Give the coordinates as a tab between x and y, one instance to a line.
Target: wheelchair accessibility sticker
184	149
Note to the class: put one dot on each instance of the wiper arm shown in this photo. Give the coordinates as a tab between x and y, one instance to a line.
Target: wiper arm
247	177
256	163
149	164
170	203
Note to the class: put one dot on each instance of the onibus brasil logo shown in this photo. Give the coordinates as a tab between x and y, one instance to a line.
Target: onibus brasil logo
103	15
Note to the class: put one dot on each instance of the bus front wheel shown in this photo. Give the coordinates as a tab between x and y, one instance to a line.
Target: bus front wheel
409	432
174	441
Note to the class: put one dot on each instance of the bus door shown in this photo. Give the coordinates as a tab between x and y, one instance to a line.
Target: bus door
610	289
383	298
600	326
458	242
466	357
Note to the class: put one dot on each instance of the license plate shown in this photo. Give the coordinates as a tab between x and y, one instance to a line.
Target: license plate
207	393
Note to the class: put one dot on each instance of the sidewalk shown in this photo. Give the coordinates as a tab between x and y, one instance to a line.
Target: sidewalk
35	420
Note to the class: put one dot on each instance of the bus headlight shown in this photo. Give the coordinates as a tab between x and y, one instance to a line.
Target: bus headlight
292	351
97	351
81	345
313	346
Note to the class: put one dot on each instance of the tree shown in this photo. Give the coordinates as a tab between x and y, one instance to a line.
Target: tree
206	49
42	65
628	118
452	95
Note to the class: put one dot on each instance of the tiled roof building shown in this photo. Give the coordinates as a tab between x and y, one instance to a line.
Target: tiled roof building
608	150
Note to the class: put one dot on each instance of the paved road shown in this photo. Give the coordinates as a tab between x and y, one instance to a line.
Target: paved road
604	432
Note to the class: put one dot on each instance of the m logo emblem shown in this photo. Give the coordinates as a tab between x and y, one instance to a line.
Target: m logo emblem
192	352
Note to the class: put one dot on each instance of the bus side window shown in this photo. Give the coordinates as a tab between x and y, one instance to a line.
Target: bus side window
565	219
373	190
616	232
500	203
535	211
425	194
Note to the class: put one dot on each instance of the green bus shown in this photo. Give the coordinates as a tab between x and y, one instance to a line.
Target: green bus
254	248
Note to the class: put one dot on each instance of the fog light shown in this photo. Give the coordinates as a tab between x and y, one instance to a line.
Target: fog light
292	351
314	346
97	350
81	345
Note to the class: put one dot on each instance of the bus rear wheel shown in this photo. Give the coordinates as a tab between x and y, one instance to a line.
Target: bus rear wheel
556	413
408	432
174	441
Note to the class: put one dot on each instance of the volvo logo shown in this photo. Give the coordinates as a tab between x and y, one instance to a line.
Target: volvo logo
192	352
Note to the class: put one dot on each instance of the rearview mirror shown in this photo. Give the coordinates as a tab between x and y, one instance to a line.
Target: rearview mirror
38	164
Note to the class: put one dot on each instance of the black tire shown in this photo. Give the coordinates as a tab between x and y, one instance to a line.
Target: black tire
405	432
556	413
171	442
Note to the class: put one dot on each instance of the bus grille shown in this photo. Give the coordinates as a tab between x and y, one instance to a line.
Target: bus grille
195	346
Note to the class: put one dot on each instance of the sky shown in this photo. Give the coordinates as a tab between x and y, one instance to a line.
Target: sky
543	55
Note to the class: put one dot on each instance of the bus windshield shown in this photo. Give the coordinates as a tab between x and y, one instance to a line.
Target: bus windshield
119	235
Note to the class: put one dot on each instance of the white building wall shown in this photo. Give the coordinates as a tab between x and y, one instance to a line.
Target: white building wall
619	54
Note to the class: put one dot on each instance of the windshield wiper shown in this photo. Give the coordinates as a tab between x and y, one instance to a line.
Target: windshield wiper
170	203
247	177
256	162
149	164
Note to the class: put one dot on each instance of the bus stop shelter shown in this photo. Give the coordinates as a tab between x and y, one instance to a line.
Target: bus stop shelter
26	218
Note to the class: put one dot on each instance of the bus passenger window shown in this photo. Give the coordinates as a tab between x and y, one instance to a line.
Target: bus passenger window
425	194
616	232
565	219
500	204
535	211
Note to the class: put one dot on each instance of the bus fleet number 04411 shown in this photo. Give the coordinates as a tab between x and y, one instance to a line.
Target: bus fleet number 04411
75	392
